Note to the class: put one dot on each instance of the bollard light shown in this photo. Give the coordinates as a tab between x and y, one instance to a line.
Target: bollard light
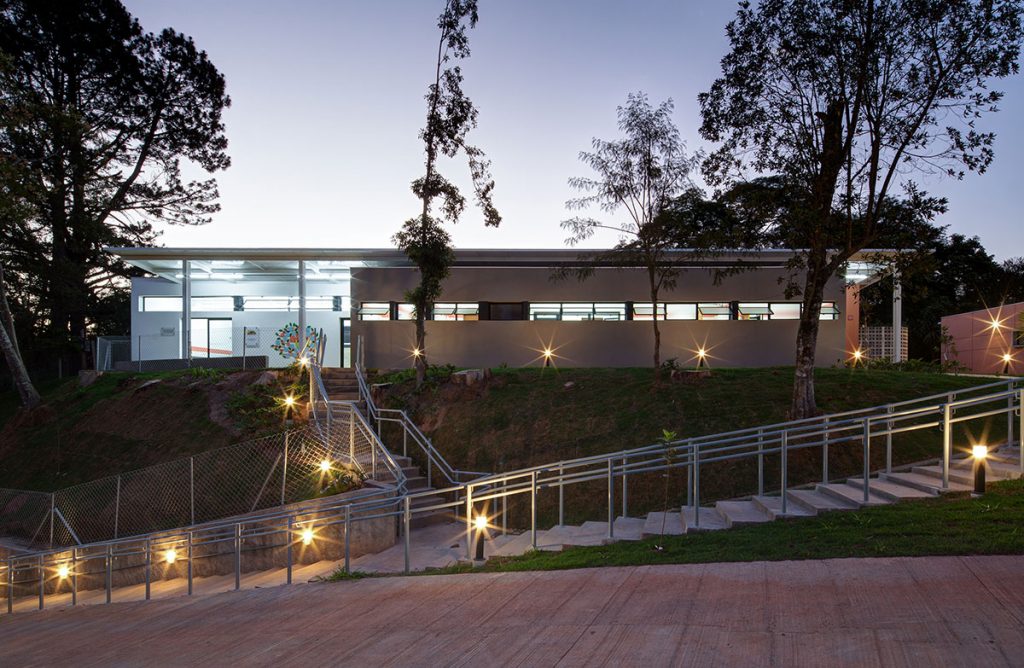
325	466
307	536
979	452
171	555
481	528
63	571
303	361
702	357
548	354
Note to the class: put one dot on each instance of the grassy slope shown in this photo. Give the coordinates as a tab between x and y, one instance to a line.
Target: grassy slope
527	417
115	425
949	525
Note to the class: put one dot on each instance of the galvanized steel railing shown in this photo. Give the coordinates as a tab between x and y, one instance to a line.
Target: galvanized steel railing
861	427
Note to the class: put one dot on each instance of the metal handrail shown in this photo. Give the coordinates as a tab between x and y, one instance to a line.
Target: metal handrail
434	458
689	454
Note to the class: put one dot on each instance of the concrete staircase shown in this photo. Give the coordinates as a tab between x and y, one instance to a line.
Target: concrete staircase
341	384
443	542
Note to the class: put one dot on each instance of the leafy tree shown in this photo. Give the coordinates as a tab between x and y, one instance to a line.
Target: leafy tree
95	118
646	174
450	117
843	101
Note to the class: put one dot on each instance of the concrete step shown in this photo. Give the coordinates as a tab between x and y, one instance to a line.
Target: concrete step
772	506
416	483
890	489
956	474
925	483
667	523
1002	470
816	502
846	493
710	519
739	513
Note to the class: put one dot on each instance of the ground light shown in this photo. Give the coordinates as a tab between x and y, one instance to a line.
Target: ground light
702	357
548	354
481	529
171	555
289	406
979	452
307	536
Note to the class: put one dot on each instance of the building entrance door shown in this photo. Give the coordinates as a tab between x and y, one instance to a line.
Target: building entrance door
211	337
346	343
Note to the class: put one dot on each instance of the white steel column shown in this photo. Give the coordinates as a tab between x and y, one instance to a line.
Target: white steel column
302	304
186	310
897	318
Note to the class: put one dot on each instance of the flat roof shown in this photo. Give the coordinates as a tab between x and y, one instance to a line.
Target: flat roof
336	263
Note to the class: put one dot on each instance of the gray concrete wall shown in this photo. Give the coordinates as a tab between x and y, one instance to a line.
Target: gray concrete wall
614	344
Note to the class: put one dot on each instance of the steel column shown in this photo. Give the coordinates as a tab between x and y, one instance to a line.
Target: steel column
561	494
625	490
897	318
469	522
947	443
192	489
784	466
533	509
696	484
760	462
302	306
186	311
867	459
888	442
408	516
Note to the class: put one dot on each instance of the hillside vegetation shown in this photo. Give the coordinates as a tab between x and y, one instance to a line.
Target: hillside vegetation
125	421
523	417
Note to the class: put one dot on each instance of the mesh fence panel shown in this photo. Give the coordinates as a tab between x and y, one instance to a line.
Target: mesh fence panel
22	513
258	474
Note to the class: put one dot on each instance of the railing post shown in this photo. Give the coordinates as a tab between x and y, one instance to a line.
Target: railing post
469	522
42	582
533	509
10	586
760	462
53	507
74	576
117	506
947	443
351	435
108	561
289	540
689	476
611	500
1020	430
238	557
430	473
625	490
405	440
348	542
784	466
867	459
561	494
149	565
504	512
408	518
284	468
824	452
888	443
1009	419
192	489
696	485
189	564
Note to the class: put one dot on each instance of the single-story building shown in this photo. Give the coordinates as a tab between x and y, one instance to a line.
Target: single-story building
989	340
498	306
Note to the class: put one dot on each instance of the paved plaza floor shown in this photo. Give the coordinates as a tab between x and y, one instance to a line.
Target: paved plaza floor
949	611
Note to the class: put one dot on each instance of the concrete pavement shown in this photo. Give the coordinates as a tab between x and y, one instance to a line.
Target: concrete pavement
858	612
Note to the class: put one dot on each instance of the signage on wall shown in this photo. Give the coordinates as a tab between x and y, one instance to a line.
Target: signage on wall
166	331
252	337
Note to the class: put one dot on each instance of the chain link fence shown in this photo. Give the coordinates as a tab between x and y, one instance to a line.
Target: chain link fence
275	470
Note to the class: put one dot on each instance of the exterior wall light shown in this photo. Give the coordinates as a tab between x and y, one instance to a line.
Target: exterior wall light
995	324
1007	362
171	555
307	536
979	452
63	571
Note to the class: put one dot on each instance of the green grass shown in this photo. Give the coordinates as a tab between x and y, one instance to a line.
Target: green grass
525	417
948	525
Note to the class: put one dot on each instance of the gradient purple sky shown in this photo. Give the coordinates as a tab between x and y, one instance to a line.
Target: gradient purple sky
327	104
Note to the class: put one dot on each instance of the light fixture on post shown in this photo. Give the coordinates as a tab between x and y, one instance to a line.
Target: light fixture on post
979	452
63	571
702	358
481	532
289	407
170	555
548	354
1007	361
858	356
307	536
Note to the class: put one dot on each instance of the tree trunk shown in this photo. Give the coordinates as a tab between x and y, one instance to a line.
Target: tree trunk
804	404
27	391
420	357
654	320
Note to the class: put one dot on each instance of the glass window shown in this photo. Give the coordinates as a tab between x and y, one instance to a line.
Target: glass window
610	311
646	311
1018	339
406	311
270	304
682	311
754	311
213	304
829	311
457	311
714	311
164	304
544	311
785	310
375	311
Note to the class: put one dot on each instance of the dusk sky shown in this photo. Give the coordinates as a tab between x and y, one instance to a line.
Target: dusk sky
328	101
